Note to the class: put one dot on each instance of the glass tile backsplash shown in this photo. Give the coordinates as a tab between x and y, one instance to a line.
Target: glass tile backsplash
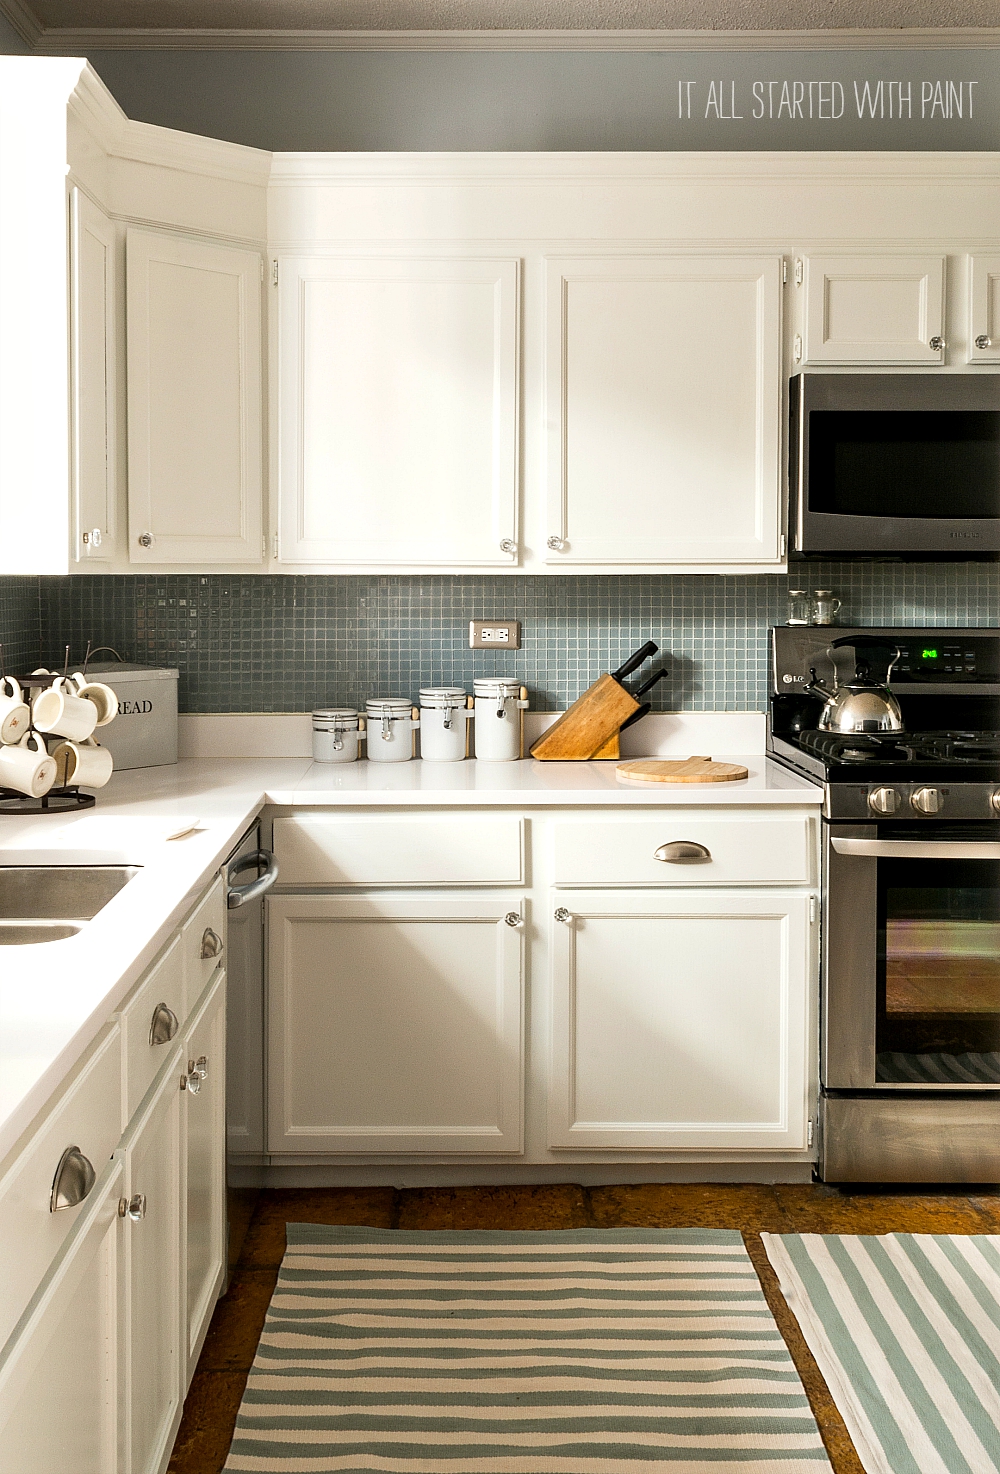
292	642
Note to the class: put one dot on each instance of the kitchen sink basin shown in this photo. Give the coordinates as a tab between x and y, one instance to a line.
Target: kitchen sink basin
46	903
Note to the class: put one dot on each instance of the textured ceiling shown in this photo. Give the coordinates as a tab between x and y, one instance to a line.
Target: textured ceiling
500	15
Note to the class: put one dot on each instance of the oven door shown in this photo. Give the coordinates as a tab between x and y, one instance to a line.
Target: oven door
911	958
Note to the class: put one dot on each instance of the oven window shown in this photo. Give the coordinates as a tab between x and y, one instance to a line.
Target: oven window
898	463
938	1018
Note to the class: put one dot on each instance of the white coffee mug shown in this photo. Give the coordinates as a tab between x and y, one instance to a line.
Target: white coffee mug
27	766
82	764
102	696
60	709
15	717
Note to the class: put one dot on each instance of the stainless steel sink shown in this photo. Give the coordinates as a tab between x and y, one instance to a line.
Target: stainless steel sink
46	903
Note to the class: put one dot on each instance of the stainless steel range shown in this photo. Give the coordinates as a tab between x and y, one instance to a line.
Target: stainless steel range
910	972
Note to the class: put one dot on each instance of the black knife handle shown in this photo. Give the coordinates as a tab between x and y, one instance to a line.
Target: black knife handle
636	716
648	685
634	661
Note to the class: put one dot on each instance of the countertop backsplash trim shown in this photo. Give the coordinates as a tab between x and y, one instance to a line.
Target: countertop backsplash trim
287	642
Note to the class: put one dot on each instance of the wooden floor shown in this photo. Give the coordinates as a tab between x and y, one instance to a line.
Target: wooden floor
211	1407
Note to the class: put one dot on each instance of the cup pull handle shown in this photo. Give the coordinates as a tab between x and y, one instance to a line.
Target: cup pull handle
74	1178
211	944
683	852
163	1025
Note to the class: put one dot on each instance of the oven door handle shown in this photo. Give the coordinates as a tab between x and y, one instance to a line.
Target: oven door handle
919	849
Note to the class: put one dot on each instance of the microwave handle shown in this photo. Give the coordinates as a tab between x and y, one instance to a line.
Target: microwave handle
919	849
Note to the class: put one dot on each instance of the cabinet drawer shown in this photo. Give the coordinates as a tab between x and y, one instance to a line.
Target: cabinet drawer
88	1117
143	1057
457	850
740	851
202	939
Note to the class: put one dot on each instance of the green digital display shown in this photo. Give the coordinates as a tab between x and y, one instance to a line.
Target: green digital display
929	655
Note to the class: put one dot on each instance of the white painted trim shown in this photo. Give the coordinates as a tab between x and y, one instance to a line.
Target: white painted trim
289	734
58	40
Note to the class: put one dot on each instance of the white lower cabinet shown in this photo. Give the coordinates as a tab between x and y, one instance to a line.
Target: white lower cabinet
61	1387
679	1019
205	1237
154	1263
395	1023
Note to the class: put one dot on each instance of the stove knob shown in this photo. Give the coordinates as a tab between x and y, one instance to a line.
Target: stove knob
926	800
995	802
883	800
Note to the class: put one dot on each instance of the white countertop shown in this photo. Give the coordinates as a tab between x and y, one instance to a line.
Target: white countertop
55	997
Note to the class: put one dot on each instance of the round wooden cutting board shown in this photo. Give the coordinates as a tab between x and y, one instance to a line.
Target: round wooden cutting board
683	770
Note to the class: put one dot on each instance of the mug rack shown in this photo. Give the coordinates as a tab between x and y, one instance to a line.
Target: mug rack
57	800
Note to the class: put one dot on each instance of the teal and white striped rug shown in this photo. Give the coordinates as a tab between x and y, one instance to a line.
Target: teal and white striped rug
906	1331
569	1352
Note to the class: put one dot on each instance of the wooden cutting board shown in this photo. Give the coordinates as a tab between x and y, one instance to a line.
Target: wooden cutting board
684	770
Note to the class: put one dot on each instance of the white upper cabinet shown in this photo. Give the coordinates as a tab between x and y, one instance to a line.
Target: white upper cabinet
984	309
873	310
398	411
663	409
194	401
94	386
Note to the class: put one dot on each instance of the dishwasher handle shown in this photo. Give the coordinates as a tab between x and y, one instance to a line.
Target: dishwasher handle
242	895
919	849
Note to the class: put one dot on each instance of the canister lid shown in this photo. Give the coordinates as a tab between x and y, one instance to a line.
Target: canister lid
442	696
496	686
335	715
380	704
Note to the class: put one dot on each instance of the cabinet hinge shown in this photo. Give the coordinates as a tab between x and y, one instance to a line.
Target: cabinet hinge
799	272
784	269
812	910
797	347
262	268
809	1132
263	545
781	545
274	273
274	546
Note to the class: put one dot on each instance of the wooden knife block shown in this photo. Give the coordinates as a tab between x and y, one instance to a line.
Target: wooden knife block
590	728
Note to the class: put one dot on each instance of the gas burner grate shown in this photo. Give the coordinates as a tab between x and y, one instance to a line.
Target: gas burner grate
903	747
958	747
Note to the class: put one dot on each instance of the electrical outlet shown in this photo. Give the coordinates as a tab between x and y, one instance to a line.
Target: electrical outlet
494	634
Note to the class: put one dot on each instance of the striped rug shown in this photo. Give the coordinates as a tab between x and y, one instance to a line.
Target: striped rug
522	1353
906	1331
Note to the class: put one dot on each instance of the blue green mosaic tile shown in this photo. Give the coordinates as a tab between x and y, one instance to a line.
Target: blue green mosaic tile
292	642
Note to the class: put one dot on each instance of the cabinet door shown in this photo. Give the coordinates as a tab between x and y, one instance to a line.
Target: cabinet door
205	1109
663	409
874	309
397	397
194	401
679	1020
395	1024
155	1265
94	386
984	309
61	1397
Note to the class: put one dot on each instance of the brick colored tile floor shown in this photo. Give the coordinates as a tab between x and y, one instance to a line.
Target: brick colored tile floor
258	1243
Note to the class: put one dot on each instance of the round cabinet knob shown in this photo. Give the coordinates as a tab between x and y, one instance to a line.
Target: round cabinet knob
561	914
74	1178
163	1025
133	1207
926	800
508	545
145	539
555	544
683	852
513	918
937	343
883	801
984	341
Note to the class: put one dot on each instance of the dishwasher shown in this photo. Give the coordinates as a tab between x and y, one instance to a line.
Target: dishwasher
250	873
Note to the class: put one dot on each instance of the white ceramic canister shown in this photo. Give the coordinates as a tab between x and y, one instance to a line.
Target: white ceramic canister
443	723
498	719
336	735
390	729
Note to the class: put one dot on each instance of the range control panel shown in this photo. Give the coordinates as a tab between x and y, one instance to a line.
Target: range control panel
927	658
923	660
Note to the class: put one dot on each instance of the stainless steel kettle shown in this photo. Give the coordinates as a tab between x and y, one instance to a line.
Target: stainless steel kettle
863	704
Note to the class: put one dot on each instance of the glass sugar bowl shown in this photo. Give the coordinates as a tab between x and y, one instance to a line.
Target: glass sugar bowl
498	719
337	733
444	719
390	729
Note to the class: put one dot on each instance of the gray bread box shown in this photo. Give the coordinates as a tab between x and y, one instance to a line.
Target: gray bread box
144	733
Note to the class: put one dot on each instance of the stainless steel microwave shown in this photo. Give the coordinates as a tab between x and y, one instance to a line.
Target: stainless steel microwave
894	465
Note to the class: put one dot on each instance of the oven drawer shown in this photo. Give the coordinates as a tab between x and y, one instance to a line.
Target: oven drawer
682	848
908	1139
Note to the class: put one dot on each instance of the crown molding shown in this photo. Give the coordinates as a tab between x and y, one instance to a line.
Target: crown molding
63	40
23	19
